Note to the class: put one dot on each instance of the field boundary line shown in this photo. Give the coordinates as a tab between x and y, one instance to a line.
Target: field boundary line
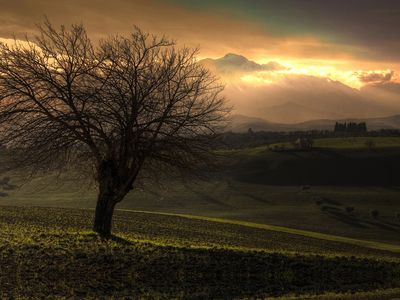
306	233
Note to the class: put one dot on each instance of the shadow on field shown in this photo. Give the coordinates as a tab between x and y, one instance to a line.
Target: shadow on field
331	201
319	167
206	197
383	225
328	153
394	188
120	240
350	220
248	195
392	224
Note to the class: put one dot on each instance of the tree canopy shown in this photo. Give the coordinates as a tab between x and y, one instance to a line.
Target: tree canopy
116	107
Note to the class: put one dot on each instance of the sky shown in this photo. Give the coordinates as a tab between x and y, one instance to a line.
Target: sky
351	44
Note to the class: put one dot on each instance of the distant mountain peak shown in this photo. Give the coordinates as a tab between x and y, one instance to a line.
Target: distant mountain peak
233	63
234	58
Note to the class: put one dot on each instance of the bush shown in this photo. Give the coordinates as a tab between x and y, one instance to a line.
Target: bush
349	209
374	213
325	208
318	202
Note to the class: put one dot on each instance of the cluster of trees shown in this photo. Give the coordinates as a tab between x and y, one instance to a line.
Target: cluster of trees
350	127
304	143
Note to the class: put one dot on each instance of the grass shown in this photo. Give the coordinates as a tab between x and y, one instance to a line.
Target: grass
358	142
351	143
310	234
51	252
388	294
269	211
285	206
264	187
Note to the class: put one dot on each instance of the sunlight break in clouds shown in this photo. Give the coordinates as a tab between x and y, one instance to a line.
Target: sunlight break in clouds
354	79
348	55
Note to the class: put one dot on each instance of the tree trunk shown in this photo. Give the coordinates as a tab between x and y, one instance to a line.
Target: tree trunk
103	215
111	191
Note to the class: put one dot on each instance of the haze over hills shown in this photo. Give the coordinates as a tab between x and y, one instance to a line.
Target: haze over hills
241	123
276	93
295	113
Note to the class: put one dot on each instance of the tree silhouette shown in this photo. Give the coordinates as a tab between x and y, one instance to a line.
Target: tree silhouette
350	127
126	105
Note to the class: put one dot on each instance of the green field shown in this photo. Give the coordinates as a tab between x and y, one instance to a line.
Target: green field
51	251
260	186
352	143
291	203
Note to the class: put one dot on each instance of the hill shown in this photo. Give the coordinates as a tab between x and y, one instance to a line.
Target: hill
50	252
241	123
305	190
295	112
339	161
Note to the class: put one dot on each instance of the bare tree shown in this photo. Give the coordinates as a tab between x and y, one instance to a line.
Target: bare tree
121	107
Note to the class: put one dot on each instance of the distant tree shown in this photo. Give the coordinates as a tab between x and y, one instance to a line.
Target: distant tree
370	144
363	127
304	143
127	105
319	202
374	213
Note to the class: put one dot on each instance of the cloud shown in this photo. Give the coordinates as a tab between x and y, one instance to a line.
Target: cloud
387	93
298	98
289	95
367	29
375	76
217	29
347	36
215	33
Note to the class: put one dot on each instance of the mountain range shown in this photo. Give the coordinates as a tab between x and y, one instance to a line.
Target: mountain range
273	92
241	123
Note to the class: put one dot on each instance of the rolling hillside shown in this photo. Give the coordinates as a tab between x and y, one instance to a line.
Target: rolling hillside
241	123
310	191
268	224
51	252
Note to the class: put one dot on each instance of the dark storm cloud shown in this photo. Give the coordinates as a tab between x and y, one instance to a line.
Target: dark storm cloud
100	16
371	25
371	77
367	29
214	32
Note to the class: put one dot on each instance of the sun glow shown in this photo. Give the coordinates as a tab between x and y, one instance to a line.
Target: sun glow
332	70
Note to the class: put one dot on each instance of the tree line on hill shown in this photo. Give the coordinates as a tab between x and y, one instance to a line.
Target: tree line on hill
232	140
350	127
